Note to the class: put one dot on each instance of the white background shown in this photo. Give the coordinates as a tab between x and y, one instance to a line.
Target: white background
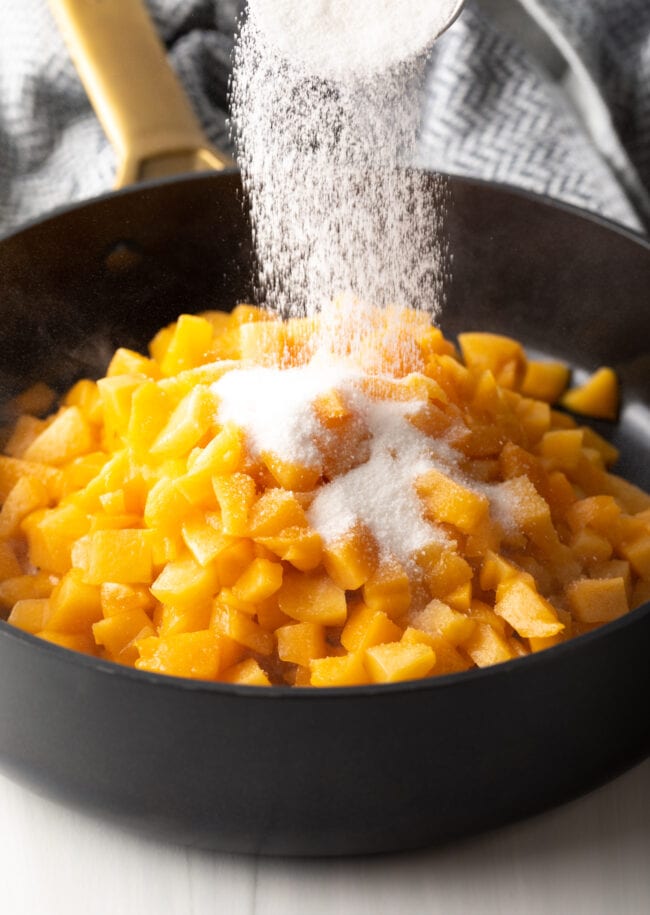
590	857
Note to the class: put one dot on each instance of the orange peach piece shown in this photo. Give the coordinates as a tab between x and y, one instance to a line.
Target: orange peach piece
185	347
449	502
503	356
597	600
486	646
74	604
388	589
12	469
188	654
191	420
246	673
51	533
545	380
449	660
351	559
67	436
260	580
28	494
366	627
439	618
275	510
348	670
299	546
123	556
35	585
597	397
529	614
236	495
241	628
312	597
74	641
119	598
300	643
117	633
185	582
395	661
30	614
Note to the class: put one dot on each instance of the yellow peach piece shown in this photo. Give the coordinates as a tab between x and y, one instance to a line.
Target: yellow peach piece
189	654
529	614
300	643
395	661
246	673
312	597
597	397
348	670
366	627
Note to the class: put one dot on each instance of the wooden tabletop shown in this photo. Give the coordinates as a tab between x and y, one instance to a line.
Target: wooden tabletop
590	857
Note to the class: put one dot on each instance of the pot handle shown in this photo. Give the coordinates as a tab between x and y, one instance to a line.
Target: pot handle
133	89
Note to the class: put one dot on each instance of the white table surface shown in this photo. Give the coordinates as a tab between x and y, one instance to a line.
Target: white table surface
590	857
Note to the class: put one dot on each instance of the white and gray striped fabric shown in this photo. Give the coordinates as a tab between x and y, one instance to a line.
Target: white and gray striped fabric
548	95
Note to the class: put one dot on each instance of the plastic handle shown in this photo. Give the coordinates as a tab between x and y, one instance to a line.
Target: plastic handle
134	91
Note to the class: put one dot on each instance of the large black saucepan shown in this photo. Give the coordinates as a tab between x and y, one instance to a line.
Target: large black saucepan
341	771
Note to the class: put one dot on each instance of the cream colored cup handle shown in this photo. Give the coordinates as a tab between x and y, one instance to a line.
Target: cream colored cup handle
134	91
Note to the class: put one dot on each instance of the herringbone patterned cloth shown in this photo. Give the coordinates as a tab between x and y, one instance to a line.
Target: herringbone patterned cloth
490	110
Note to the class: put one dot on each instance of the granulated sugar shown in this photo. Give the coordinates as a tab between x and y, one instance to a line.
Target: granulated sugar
275	409
381	491
323	163
336	37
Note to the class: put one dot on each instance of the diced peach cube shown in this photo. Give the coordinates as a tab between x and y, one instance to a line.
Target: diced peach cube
348	670
185	581
260	580
291	476
246	673
597	397
300	643
529	614
236	495
67	436
597	600
117	633
241	628
350	560
366	627
312	597
28	494
449	502
30	614
51	533
503	356
486	647
274	511
395	661
189	654
192	419
74	604
185	346
300	546
388	589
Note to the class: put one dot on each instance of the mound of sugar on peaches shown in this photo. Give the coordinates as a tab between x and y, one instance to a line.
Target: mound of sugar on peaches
276	410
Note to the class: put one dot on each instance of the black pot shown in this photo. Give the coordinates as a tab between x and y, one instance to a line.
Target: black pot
339	771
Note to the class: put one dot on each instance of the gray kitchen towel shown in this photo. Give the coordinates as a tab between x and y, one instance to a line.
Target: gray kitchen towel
548	95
